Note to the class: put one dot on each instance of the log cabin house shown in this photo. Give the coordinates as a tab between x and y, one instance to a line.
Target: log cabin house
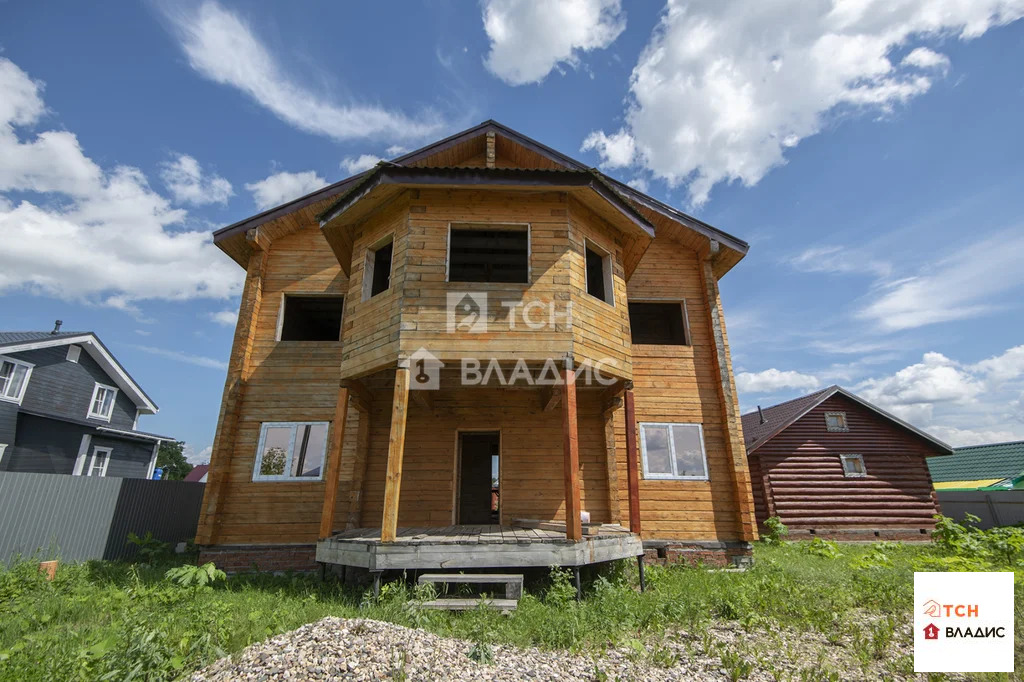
352	433
831	464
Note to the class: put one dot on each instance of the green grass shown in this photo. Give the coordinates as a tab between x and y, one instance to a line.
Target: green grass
130	622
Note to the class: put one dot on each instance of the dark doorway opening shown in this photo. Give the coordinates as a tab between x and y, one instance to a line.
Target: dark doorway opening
479	497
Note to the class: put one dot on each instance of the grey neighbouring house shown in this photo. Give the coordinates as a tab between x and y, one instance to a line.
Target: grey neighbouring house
67	406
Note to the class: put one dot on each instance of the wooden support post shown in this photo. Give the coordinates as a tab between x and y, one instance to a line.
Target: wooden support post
611	460
334	465
355	495
632	467
571	457
549	398
359	394
732	428
239	370
396	451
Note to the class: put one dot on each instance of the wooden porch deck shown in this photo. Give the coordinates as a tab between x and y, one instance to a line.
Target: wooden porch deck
458	547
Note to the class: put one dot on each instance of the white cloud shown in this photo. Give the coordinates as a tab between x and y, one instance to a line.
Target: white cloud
839	260
961	286
771	380
281	187
723	88
616	150
935	379
396	150
358	164
228	318
194	458
529	38
184	178
180	356
96	235
963	437
923	58
1002	368
223	48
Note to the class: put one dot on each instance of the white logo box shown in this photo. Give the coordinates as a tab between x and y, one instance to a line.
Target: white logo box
963	622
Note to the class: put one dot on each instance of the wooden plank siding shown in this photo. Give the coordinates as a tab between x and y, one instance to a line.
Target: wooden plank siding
798	475
679	384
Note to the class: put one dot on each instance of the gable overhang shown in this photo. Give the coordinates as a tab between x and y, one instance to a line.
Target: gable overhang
103	357
388	180
723	249
943	448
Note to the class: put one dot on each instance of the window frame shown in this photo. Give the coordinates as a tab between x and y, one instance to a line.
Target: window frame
845	428
607	271
672	453
687	339
92	402
258	461
303	294
24	385
108	453
509	227
3	450
843	459
369	266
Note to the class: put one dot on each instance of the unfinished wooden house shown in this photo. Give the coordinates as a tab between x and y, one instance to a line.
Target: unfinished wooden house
479	354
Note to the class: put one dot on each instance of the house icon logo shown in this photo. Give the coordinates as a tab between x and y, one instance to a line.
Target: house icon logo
931	631
424	370
466	312
932	608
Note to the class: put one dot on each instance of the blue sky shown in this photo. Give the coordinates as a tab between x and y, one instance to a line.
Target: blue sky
871	158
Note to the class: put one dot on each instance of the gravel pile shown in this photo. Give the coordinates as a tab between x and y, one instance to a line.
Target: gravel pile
336	648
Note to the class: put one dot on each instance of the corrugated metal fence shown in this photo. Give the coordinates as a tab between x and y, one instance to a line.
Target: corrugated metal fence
75	518
993	507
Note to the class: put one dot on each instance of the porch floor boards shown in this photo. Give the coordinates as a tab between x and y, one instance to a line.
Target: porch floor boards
475	546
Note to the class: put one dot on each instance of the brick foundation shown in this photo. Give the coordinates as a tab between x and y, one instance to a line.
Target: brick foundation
665	552
862	534
271	558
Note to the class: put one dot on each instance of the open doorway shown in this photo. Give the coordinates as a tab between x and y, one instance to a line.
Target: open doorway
479	467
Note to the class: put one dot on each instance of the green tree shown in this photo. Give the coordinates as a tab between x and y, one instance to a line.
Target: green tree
171	459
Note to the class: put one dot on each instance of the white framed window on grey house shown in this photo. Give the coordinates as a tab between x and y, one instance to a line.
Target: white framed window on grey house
498	253
74	352
853	466
3	449
310	317
14	376
102	404
598	272
836	421
289	451
377	267
99	461
673	451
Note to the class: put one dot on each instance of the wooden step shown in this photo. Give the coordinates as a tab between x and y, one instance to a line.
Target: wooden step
513	582
470	604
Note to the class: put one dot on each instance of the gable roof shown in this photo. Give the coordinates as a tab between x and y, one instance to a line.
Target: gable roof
980	463
197	472
18	342
779	417
231	239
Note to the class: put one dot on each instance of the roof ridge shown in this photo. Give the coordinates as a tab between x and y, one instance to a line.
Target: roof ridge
792	400
989	445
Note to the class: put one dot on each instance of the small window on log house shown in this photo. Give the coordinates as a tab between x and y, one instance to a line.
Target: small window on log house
290	450
853	466
489	254
599	273
377	268
836	421
659	323
312	318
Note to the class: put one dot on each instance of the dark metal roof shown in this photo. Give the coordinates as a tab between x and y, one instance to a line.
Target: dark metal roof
778	417
14	338
108	431
386	173
980	462
490	125
198	471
